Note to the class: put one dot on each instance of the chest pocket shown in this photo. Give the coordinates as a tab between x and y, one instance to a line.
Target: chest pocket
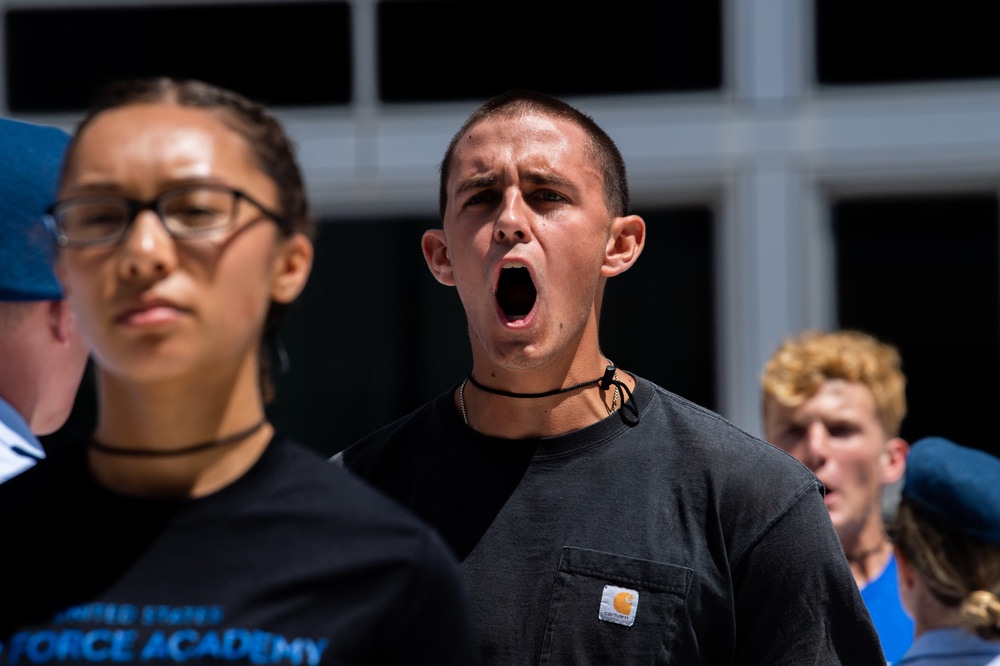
612	609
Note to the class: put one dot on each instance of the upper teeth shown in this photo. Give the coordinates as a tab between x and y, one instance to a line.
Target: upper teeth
513	264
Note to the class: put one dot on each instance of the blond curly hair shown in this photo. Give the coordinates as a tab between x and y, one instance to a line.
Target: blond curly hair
803	362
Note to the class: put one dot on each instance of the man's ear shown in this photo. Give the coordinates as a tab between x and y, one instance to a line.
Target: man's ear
435	246
625	243
894	460
292	266
61	322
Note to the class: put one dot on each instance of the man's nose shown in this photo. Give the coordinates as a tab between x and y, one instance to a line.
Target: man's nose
513	223
816	446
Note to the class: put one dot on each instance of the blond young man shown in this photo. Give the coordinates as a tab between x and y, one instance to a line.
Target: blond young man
835	401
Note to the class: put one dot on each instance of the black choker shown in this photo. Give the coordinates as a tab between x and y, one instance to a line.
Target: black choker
606	381
201	446
870	551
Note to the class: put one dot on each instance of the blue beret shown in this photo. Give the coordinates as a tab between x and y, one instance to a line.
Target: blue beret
30	159
956	486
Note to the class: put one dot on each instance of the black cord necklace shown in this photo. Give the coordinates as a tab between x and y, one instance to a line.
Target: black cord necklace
860	557
201	446
606	381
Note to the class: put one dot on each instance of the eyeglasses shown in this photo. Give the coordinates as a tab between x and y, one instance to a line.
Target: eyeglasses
186	212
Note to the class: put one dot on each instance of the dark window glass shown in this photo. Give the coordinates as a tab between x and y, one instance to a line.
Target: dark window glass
433	50
922	274
658	318
372	337
863	42
281	54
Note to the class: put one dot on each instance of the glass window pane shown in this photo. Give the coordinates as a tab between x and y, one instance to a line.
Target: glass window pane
372	337
922	273
658	318
58	58
439	50
862	42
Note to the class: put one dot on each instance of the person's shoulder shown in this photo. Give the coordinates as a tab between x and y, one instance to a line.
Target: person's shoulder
704	437
37	498
397	441
685	416
306	471
330	495
18	489
694	421
332	477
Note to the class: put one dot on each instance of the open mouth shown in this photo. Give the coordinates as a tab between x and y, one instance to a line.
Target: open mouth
516	292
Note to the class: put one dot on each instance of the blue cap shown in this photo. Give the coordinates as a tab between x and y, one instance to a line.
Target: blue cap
30	158
956	486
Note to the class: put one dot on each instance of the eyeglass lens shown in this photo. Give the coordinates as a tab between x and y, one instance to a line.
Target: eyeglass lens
184	212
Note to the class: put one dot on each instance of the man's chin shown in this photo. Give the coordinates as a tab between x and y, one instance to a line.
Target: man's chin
839	520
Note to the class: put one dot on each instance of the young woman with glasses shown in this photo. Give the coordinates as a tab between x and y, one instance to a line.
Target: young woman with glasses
187	529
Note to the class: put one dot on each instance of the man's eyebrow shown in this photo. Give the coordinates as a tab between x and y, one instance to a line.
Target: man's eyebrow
547	178
476	182
533	177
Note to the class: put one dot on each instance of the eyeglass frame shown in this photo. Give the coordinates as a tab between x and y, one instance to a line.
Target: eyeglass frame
134	207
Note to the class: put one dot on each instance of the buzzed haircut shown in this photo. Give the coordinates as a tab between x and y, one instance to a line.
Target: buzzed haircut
12	313
802	363
514	103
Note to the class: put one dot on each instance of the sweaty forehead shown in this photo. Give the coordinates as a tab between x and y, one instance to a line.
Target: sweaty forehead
523	142
839	398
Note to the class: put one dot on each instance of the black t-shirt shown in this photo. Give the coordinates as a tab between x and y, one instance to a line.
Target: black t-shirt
681	540
294	563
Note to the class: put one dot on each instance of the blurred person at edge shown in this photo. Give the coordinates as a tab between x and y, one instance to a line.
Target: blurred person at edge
198	533
835	401
947	539
599	518
42	358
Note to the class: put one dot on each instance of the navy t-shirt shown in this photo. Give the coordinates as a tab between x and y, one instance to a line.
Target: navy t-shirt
293	563
680	540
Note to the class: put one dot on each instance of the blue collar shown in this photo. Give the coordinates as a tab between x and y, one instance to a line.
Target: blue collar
15	433
947	646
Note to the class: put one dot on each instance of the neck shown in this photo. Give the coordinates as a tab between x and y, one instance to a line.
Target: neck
25	357
152	426
189	450
515	406
868	556
929	613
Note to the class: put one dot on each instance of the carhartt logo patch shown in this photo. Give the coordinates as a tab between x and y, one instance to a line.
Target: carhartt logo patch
618	605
